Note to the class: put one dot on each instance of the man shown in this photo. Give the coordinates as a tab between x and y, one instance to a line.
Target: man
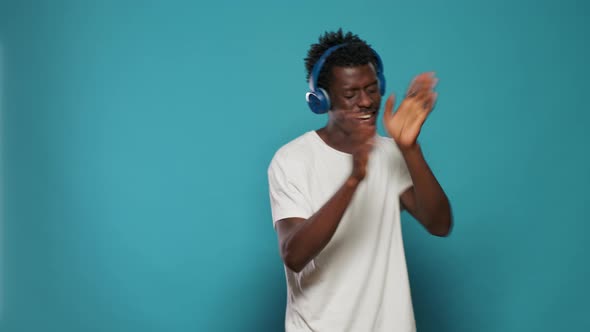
337	193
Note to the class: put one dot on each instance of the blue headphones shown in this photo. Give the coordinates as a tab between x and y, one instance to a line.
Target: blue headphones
317	98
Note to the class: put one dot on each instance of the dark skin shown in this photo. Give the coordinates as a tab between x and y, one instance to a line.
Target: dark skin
355	99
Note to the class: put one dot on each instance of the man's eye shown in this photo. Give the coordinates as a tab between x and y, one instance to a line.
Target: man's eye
350	96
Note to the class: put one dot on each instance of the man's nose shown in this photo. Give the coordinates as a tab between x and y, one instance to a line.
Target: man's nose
365	100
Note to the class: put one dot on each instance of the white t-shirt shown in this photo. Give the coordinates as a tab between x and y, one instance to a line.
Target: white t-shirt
359	281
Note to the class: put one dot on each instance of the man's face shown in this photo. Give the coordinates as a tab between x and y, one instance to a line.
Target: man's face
355	97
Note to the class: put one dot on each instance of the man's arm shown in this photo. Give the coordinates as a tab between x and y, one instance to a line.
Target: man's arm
300	240
426	200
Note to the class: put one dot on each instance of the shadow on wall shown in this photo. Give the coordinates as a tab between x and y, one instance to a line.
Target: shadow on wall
444	299
430	281
253	304
431	305
273	300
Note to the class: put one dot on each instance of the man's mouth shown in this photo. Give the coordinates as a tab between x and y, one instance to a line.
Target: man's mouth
367	116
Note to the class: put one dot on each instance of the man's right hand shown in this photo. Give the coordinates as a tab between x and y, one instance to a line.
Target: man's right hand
364	140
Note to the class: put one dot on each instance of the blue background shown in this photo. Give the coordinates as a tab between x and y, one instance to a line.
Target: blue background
136	137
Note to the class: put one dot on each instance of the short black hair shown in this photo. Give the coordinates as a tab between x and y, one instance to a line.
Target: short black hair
356	52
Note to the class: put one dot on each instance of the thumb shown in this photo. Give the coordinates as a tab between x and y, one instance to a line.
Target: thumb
388	113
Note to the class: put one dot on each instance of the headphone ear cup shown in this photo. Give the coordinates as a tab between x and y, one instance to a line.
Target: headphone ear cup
318	101
313	102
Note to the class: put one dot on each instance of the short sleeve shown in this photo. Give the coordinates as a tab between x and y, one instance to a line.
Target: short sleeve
286	193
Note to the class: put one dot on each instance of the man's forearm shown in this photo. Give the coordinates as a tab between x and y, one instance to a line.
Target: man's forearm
307	239
432	205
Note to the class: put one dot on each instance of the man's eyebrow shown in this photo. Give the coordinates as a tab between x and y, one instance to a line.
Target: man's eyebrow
356	88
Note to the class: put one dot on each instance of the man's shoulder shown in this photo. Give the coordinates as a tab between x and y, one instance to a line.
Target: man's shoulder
296	148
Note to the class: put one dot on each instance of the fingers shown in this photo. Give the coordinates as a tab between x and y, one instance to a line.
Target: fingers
364	140
421	93
414	126
388	113
430	101
422	85
405	124
417	84
413	111
389	103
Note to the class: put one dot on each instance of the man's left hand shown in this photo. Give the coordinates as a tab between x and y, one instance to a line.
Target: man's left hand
405	124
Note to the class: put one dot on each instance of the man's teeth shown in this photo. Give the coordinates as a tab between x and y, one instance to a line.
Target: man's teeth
365	117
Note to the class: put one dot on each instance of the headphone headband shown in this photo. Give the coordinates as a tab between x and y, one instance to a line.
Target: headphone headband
317	67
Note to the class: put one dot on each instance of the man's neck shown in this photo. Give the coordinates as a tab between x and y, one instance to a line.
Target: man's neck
336	138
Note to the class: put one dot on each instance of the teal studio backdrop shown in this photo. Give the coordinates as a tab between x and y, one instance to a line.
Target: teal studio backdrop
136	137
